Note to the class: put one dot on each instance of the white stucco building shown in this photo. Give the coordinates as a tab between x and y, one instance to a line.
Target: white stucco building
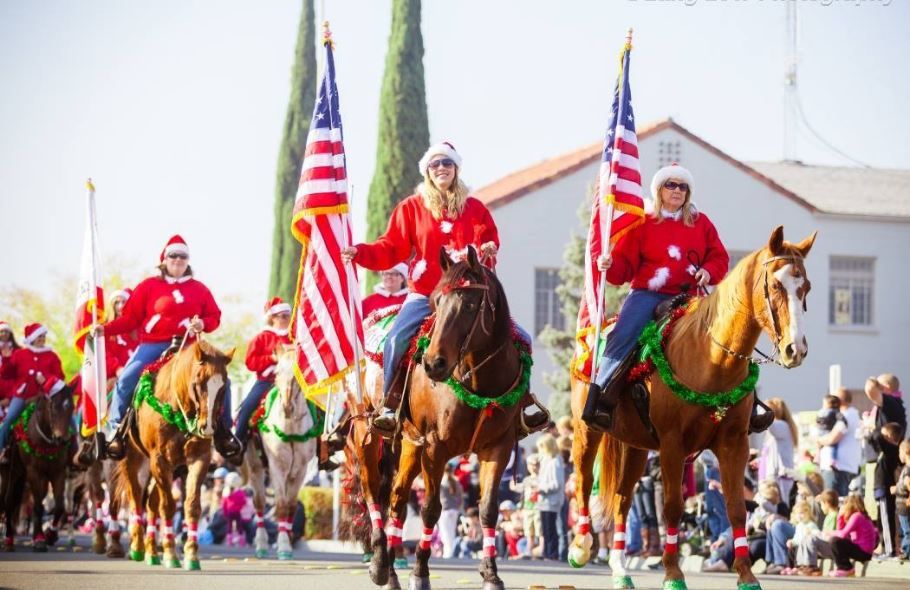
857	311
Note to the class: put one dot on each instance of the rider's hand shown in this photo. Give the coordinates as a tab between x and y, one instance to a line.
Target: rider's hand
196	324
489	249
39	377
347	254
604	261
702	277
99	330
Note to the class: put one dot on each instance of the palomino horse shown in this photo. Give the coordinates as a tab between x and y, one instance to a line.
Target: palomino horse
174	427
41	438
708	351
289	430
464	397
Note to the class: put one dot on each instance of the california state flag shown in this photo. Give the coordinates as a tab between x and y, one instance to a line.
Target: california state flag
90	312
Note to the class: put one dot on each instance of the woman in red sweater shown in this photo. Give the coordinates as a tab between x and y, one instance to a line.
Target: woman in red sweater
32	370
391	291
440	215
171	305
676	250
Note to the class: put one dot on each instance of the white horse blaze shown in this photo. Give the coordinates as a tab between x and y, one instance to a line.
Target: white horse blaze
214	384
792	285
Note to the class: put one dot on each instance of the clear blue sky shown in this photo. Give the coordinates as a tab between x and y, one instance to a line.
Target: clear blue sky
175	107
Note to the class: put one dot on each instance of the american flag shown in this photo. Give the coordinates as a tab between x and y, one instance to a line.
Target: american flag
617	208
326	324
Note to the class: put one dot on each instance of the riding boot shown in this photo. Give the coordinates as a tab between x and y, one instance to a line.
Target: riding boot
760	422
116	447
599	406
227	445
385	422
324	452
85	456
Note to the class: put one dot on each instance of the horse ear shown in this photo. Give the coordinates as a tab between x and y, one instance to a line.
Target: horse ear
444	261
472	258
776	241
230	354
806	244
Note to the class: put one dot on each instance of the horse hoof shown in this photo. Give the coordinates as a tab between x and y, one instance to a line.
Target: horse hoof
493	585
115	552
623	583
418	583
285	555
262	553
137	555
379	567
172	563
152	560
9	546
579	556
52	536
675	585
393	583
99	548
40	547
192	565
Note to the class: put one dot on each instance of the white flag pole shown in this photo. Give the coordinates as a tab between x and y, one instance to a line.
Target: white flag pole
349	268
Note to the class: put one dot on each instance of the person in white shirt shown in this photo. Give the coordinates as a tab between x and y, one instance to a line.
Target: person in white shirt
848	453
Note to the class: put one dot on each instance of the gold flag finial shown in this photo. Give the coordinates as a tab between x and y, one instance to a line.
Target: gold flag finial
327	35
89	185
629	38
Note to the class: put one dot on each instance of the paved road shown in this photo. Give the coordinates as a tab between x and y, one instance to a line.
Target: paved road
225	569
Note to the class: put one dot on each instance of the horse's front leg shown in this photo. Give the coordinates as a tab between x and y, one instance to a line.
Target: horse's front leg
671	465
198	455
433	467
38	485
732	457
257	481
281	456
167	506
367	450
584	453
493	462
58	490
633	465
154	516
408	468
96	497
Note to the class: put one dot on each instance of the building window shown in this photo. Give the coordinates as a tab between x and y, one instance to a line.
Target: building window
851	290
668	152
547	307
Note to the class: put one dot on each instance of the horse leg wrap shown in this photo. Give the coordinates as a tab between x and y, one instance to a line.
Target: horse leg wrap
375	516
619	538
672	544
260	521
740	544
393	532
152	529
192	532
584	521
99	513
426	539
489	542
169	530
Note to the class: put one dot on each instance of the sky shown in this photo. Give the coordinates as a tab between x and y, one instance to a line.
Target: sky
175	107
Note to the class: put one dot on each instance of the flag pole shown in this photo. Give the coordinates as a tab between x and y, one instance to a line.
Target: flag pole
349	268
97	343
605	246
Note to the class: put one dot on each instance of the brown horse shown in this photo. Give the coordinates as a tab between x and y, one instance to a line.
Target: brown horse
174	428
708	351
471	352
42	448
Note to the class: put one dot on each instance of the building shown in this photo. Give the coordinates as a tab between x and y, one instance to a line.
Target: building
857	316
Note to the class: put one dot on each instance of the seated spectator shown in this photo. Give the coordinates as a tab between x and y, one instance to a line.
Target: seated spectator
721	558
236	509
805	535
471	540
771	510
854	539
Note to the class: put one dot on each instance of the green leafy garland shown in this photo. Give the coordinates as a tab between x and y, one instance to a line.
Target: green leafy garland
45	452
313	432
145	393
472	400
652	341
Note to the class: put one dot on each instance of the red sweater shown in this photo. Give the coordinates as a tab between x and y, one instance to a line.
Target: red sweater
382	299
162	308
118	350
663	256
413	230
22	368
260	354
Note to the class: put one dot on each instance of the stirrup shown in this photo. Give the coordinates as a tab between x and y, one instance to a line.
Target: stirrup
534	422
598	411
760	422
386	423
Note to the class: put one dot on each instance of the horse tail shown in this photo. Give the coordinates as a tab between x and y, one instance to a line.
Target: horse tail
354	523
119	487
611	452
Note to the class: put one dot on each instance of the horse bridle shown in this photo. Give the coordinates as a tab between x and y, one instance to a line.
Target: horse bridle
775	322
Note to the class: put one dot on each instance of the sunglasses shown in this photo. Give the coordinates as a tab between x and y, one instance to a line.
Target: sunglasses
174	256
672	186
444	162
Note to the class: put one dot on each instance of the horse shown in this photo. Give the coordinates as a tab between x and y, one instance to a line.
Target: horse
289	429
708	349
42	449
174	424
463	397
85	489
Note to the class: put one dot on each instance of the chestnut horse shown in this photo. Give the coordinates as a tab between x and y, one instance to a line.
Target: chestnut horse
174	427
709	350
41	451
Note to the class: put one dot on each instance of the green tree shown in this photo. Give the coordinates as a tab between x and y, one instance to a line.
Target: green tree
404	132
285	248
561	343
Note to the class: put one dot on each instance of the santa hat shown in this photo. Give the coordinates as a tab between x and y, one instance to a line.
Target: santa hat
54	385
5	326
122	293
401	268
175	244
674	170
33	332
275	306
440	149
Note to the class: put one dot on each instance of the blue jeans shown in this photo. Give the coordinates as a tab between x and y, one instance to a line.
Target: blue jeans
715	506
15	409
776	548
637	310
146	354
633	530
904	522
838	480
249	405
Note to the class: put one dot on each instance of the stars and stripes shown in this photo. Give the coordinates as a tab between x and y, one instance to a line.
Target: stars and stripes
617	208
326	322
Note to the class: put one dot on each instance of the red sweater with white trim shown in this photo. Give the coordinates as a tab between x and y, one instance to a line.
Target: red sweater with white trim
162	308
22	368
664	256
413	230
260	354
382	299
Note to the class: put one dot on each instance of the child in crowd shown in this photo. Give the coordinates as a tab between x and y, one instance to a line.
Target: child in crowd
854	539
826	420
902	497
804	540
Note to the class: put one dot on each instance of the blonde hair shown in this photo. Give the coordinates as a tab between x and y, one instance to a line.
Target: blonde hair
801	512
448	204
689	213
546	446
853	503
769	490
890	381
782	412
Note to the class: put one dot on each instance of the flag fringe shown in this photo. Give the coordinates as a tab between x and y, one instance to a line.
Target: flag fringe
312	392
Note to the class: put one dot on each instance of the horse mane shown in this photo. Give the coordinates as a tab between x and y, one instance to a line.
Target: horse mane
174	376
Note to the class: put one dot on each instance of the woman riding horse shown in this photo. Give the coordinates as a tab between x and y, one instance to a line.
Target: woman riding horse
172	305
440	215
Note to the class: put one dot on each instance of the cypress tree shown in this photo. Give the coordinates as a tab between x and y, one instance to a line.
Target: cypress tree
403	127
285	248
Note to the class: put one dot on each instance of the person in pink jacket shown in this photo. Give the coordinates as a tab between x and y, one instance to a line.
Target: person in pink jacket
855	537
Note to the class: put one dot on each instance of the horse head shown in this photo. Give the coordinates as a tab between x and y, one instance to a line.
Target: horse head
206	385
54	414
470	307
783	285
294	408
